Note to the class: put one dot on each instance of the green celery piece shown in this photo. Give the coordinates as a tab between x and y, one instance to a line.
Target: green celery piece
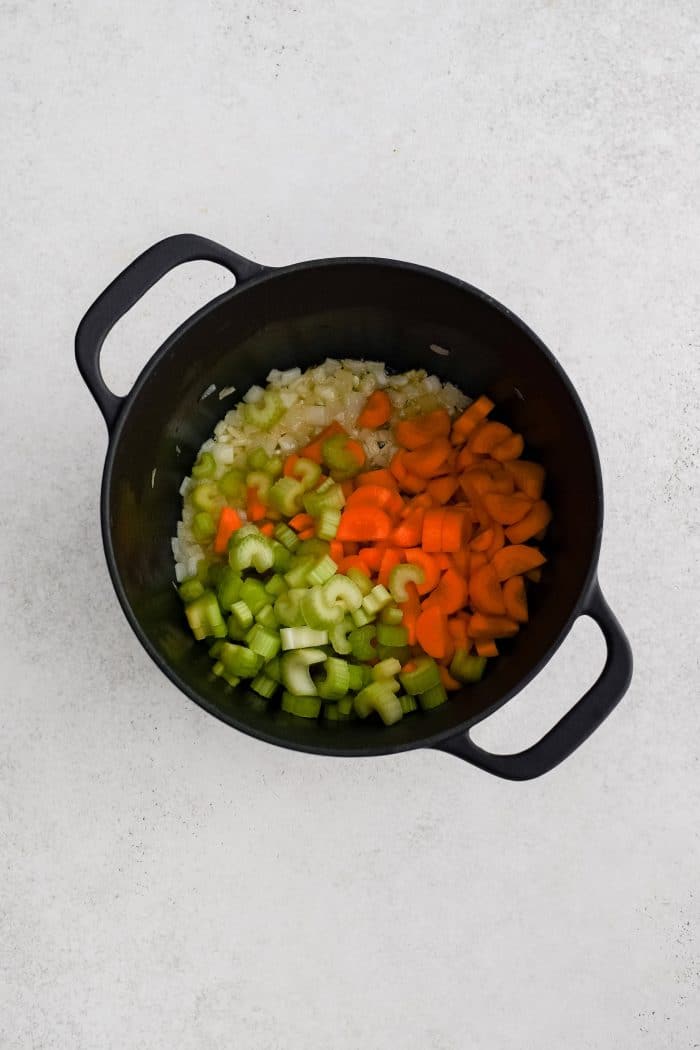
301	706
377	599
232	486
432	697
302	638
295	670
340	590
318	612
265	412
205	467
266	617
360	579
275	586
391	616
264	686
386	669
220	671
264	642
380	697
204	617
307	472
242	615
390	635
229	587
336	682
322	570
257	459
327	524
287	537
401	653
287	607
336	456
239	660
253	593
190	589
203	526
425	675
356	681
467	668
260	481
331	713
314	546
298	575
274	466
331	498
286	496
206	496
281	557
408	703
360	617
252	552
338	636
401	575
346	706
361	642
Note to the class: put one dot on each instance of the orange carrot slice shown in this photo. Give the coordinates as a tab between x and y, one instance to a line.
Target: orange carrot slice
470	419
509	449
377	410
485	592
515	598
488	436
516	560
506	509
417	556
229	522
528	476
488	627
432	633
486	647
536	519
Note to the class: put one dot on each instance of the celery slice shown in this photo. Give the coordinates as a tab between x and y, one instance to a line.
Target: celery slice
432	697
385	669
302	637
425	675
264	685
252	552
301	706
377	599
205	466
265	412
467	668
336	682
390	635
286	536
361	642
322	570
295	670
286	496
264	642
402	574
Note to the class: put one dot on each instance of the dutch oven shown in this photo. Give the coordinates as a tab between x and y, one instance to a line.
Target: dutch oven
370	308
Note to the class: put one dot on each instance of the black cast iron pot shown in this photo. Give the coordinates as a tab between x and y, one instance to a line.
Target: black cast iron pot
299	315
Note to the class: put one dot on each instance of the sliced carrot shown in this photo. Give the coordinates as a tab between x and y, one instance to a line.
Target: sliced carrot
351	547
428	460
409	531
371	557
353	561
301	521
376	496
535	575
488	627
499	538
432	633
412	433
449	683
307	534
417	556
442	489
413	483
488	436
268	529
397	466
336	551
432	530
450	595
376	477
537	518
356	451
364	524
289	465
528	476
423	499
461	560
470	418
411	611
485	592
486	647
477	560
506	509
509	449
391	558
516	560
444	561
313	449
455	530
465	458
515	598
458	632
483	540
377	410
348	487
229	522
255	508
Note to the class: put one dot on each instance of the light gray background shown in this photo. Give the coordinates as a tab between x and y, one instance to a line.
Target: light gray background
169	883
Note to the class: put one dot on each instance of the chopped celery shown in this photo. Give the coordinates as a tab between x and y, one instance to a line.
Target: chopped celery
402	574
360	617
360	579
330	498
235	632
391	616
206	496
249	529
295	670
318	612
204	617
275	586
301	706
286	536
266	617
402	653
240	661
228	589
260	481
408	703
394	636
252	552
241	615
331	713
203	526
215	649
257	459
253	593
220	671
190	589
264	642
298	574
274	466
325	486
380	697
307	472
314	546
302	638
327	524
361	642
281	557
336	682
263	685
273	669
286	496
385	669
232	485
340	590
377	599
288	608
338	636
346	706
424	674
338	457
432	697
205	466
265	412
322	570
467	668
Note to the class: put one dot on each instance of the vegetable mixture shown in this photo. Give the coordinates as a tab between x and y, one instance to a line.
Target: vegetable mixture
354	542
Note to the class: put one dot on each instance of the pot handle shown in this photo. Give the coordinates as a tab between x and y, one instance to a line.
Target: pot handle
577	724
126	290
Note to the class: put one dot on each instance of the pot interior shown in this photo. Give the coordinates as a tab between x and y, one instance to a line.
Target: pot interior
300	316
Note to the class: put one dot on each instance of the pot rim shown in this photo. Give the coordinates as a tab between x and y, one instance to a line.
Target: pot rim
270	274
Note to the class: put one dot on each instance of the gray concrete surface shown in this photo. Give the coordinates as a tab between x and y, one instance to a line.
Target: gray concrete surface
169	883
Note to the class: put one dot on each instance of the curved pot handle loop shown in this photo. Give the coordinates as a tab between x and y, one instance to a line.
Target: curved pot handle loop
577	724
126	290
